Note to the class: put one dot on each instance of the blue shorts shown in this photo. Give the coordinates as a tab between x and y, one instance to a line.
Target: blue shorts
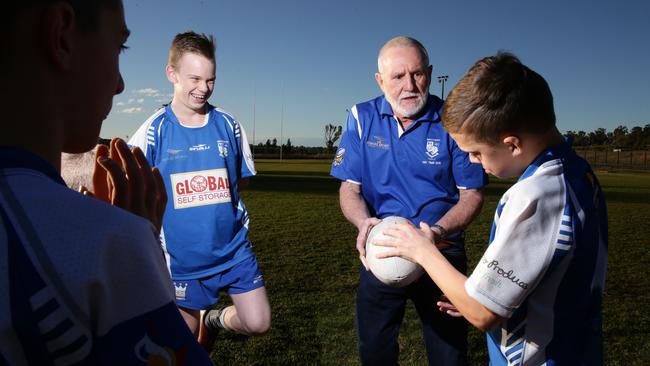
202	293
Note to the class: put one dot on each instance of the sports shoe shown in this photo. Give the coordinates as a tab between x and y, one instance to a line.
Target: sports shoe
207	335
213	320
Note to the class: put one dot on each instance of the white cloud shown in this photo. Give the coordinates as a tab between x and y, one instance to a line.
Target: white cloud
140	101
133	110
119	104
147	91
131	100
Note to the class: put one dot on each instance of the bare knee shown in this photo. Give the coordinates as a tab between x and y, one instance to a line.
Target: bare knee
257	325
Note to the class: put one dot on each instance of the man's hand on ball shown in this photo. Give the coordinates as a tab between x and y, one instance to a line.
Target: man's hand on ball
364	229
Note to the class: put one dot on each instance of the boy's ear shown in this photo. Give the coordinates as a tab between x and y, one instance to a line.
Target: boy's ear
514	144
171	74
61	29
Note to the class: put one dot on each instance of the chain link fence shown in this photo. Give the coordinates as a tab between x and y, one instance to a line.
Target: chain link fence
616	158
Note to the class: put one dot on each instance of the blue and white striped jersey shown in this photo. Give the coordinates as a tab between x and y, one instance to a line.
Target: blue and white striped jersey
81	282
205	228
545	266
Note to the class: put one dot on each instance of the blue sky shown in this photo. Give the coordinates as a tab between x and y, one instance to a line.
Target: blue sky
299	64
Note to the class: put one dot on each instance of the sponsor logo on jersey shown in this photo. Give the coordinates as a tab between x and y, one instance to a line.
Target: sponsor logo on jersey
200	147
200	188
495	274
378	143
223	148
338	159
174	154
180	288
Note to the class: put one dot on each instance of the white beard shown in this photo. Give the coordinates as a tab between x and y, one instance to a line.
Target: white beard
412	111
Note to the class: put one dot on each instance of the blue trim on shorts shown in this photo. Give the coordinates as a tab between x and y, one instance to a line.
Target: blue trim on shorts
202	293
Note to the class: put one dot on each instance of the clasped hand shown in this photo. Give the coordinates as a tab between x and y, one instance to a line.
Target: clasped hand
122	177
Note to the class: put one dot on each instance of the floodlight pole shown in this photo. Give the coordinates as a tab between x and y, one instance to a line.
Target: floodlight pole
253	117
442	79
281	120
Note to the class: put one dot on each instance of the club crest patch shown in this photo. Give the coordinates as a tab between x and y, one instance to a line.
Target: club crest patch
223	148
338	159
180	289
432	148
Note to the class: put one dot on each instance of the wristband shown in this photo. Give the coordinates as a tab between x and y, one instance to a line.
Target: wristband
443	231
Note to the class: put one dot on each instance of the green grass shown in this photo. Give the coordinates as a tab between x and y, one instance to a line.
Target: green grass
306	251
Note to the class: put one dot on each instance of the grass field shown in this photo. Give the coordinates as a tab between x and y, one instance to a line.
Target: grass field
306	252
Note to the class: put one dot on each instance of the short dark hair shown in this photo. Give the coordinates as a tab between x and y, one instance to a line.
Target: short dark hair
499	95
191	42
87	11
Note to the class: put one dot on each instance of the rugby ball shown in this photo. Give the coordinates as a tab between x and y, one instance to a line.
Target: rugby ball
393	271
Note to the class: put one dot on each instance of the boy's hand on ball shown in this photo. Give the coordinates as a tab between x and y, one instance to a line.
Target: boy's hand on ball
407	241
364	229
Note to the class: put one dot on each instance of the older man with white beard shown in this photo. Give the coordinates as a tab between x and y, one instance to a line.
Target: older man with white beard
395	159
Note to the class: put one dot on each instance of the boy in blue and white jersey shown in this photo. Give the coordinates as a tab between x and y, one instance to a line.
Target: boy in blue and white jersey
81	282
538	288
205	159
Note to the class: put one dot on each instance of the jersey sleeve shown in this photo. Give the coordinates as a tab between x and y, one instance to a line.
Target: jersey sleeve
346	165
466	174
139	321
145	138
247	164
526	233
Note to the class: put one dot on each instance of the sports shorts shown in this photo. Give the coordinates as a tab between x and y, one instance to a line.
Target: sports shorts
202	293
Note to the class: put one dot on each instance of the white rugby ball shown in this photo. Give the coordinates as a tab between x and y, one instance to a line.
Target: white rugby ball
393	271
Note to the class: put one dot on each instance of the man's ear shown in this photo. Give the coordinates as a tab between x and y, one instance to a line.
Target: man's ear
171	74
379	80
60	33
514	144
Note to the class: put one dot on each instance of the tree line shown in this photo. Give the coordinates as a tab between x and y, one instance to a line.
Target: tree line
636	138
271	147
